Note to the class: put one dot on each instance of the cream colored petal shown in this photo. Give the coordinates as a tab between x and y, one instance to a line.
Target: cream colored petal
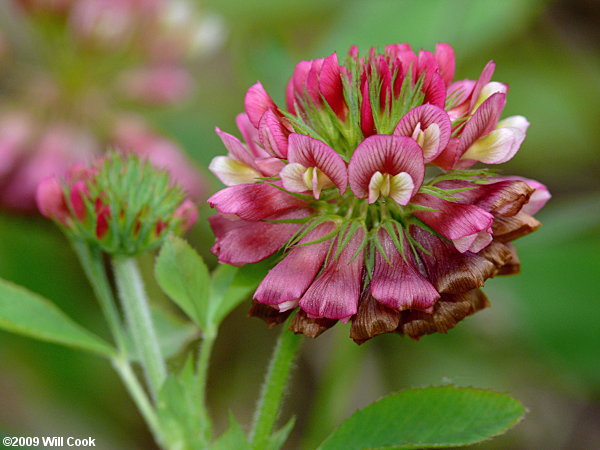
431	140
232	172
375	186
401	188
488	90
292	176
495	148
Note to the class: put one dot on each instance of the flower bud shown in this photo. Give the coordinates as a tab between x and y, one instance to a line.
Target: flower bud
121	203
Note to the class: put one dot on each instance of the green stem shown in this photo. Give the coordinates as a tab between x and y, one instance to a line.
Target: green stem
138	395
331	396
271	395
93	266
204	354
137	314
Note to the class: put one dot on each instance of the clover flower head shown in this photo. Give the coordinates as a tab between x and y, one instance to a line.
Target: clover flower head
120	203
363	188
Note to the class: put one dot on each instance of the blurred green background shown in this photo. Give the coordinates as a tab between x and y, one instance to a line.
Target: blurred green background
540	341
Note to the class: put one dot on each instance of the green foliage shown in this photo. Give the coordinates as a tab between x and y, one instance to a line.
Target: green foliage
183	276
24	312
178	412
279	437
470	25
444	416
233	437
232	285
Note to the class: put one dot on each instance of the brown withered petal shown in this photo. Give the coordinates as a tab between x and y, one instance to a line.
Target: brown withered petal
449	270
507	229
512	265
302	324
497	253
372	318
449	310
270	315
512	199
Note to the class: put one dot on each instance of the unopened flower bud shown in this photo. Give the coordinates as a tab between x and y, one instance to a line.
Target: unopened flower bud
122	204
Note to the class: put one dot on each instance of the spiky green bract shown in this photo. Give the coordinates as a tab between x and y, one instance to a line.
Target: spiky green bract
129	206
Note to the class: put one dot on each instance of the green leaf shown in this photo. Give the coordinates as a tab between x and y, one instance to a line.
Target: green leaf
279	437
444	416
232	285
233	438
177	415
183	276
27	313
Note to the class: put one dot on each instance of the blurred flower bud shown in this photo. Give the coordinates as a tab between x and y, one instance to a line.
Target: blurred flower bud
121	203
161	85
51	154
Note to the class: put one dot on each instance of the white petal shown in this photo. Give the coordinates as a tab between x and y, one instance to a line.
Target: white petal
292	176
375	185
518	122
495	148
431	140
488	90
286	306
401	188
231	171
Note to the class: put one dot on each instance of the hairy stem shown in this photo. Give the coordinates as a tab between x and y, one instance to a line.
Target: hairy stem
273	389
137	314
137	393
202	364
93	266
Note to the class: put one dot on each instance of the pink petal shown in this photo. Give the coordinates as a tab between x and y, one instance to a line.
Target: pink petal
367	124
398	284
331	87
426	62
408	60
270	167
313	153
482	122
256	102
297	86
394	50
250	135
50	200
187	212
236	149
334	294
388	155
273	134
484	78
240	242
452	220
312	81
435	90
253	201
444	55
290	278
505	197
448	158
426	115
